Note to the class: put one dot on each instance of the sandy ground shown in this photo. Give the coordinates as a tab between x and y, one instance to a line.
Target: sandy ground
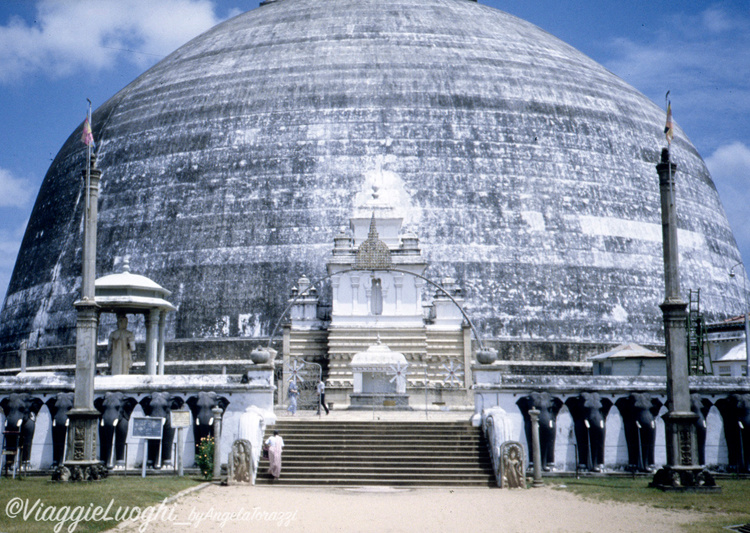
382	509
248	509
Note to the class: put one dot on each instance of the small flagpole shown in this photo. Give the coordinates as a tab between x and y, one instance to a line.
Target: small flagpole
670	123
88	163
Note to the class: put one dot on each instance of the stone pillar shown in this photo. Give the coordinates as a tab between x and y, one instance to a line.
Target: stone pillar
91	175
536	452
217	412
682	467
152	339
81	455
162	327
673	308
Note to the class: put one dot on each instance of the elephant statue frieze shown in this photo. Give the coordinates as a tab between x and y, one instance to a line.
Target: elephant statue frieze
639	412
161	404
21	410
201	407
58	406
700	406
735	412
548	406
116	409
589	412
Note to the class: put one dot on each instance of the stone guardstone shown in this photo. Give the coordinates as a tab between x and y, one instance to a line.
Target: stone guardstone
240	463
512	466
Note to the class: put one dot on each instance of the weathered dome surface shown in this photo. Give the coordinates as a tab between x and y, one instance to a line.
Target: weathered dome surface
229	167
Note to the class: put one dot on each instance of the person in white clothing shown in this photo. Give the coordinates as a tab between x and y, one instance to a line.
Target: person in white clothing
274	445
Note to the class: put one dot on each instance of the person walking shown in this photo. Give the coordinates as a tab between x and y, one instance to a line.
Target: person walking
274	445
322	393
292	394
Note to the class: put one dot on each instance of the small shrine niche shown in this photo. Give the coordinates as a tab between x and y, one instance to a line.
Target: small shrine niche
379	376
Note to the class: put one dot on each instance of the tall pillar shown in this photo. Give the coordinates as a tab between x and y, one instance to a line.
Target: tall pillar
682	469
152	340
162	327
81	456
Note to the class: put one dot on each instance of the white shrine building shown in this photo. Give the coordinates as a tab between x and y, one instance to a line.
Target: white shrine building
379	293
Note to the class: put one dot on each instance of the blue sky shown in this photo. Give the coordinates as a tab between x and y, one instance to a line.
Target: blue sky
54	54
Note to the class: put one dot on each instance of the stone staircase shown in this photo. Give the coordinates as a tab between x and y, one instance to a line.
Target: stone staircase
347	453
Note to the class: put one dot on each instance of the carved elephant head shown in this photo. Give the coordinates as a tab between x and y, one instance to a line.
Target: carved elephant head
20	411
639	412
161	404
589	412
735	411
549	406
116	409
58	406
201	406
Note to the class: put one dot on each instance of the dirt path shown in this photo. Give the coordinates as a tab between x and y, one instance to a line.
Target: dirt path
381	510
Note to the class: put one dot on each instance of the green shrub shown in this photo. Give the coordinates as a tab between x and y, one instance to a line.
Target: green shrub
205	457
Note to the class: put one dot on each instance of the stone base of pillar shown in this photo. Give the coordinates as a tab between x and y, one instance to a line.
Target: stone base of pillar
81	462
684	479
682	473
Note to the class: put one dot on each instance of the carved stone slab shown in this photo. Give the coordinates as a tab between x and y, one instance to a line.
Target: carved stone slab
240	463
512	462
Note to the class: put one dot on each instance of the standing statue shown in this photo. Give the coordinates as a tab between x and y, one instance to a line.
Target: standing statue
121	347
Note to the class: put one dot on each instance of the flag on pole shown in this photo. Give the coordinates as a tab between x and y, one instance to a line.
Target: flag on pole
88	135
669	127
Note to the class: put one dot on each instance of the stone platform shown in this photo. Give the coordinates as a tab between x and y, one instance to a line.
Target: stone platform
376	400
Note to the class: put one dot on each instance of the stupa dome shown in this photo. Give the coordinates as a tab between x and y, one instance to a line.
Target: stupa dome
526	170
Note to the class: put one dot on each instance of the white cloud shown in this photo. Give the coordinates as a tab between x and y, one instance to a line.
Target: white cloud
14	192
701	58
68	37
731	163
730	169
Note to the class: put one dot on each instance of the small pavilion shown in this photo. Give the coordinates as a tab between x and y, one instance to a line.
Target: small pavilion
128	293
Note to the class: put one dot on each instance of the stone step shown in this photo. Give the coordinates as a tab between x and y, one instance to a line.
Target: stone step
426	461
326	452
401	469
287	480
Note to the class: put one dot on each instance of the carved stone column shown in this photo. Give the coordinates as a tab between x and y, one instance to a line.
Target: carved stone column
682	468
81	458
